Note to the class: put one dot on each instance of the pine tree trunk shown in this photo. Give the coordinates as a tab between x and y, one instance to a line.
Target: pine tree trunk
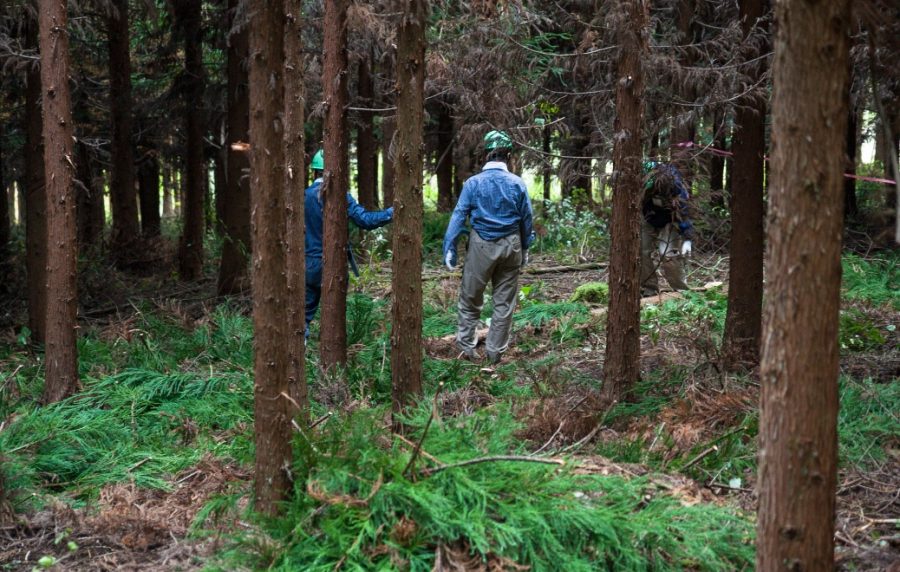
236	193
685	129
406	306
169	192
800	361
333	332
547	162
123	197
35	196
445	159
89	232
366	156
294	190
743	322
388	126
623	348
62	300
190	256
148	183
717	162
851	207
272	429
5	224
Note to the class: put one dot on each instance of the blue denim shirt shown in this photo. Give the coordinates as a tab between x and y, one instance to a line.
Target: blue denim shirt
496	201
366	220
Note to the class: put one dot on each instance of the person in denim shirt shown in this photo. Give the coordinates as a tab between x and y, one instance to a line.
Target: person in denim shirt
666	226
366	220
496	203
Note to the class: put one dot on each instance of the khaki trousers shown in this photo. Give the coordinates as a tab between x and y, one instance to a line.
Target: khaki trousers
667	241
497	262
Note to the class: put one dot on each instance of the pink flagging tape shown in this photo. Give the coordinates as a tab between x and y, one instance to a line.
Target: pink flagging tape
724	153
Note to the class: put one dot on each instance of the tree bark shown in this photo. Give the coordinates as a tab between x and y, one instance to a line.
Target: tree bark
123	197
388	126
547	162
333	332
236	194
851	207
406	302
89	221
294	187
190	255
35	196
444	166
743	321
5	224
717	162
148	183
684	128
168	192
623	348
62	300
366	156
272	429
799	367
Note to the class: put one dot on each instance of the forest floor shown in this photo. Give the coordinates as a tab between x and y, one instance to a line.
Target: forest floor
150	467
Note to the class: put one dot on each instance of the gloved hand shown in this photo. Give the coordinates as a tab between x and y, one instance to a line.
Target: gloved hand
524	257
450	260
390	211
686	248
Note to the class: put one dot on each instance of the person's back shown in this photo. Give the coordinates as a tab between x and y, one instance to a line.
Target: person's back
497	204
497	200
314	219
312	214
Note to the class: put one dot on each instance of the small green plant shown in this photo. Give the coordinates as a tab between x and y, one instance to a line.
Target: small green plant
591	293
858	333
872	280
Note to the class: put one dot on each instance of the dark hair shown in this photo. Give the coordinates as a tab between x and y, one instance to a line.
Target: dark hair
499	154
664	182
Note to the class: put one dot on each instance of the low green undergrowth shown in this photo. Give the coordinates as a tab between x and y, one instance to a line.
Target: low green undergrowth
873	280
364	510
868	432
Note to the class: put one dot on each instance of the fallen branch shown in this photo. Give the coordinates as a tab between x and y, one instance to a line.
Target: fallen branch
418	448
493	459
700	457
565	268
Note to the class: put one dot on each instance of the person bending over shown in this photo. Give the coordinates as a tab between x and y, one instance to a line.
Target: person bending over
666	226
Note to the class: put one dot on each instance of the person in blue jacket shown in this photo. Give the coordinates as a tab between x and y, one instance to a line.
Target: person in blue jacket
496	203
367	220
666	227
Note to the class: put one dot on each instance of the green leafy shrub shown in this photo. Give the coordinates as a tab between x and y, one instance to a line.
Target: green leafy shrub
362	509
872	280
858	333
591	293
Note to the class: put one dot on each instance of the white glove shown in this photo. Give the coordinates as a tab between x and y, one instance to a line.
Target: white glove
449	260
686	248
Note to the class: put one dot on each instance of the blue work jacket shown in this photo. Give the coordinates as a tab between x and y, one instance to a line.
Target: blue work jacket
660	211
362	218
496	201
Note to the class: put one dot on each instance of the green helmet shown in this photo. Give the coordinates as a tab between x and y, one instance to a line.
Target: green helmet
497	140
318	161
